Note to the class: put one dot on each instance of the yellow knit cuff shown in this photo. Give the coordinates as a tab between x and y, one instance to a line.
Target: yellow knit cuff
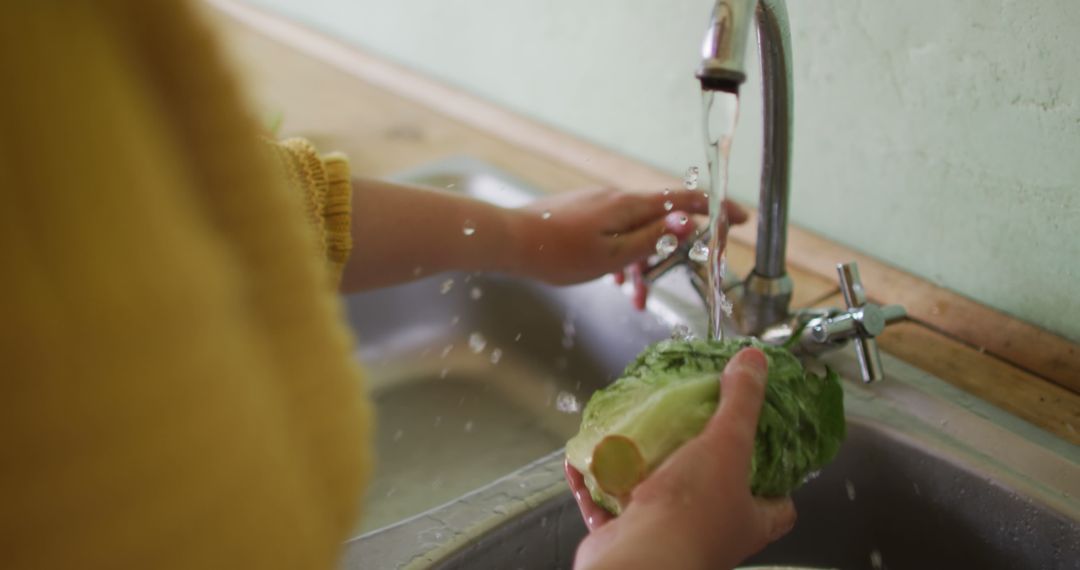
323	183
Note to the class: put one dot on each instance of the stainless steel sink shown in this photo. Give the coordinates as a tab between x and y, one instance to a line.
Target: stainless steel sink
470	465
476	382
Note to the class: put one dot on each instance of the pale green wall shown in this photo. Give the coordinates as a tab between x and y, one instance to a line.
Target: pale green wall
942	137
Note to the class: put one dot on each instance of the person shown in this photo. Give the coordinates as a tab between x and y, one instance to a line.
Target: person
179	386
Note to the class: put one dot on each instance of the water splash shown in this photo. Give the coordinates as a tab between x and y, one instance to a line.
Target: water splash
699	252
469	228
681	332
446	286
545	215
477	343
496	355
567	403
476	293
666	245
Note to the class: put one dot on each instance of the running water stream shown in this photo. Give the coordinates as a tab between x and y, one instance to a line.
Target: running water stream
720	112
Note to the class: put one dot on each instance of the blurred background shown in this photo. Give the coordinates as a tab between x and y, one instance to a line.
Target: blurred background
943	138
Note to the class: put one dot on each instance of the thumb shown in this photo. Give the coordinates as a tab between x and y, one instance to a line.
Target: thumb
639	243
742	391
775	518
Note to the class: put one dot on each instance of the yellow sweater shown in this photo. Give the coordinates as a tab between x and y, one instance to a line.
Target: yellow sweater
176	384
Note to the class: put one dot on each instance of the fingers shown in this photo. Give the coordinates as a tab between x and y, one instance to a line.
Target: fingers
776	518
736	214
678	223
641	289
637	210
742	390
593	514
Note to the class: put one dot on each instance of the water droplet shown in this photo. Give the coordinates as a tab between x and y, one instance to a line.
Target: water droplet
446	286
690	181
449	186
477	342
667	191
398	435
699	252
681	332
569	332
499	509
438	421
496	355
566	402
417	271
875	559
391	492
446	351
683	220
469	228
468	426
668	205
546	215
517	337
666	245
850	489
444	373
476	293
455	320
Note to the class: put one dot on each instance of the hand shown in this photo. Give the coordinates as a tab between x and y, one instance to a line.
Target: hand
682	227
574	237
695	510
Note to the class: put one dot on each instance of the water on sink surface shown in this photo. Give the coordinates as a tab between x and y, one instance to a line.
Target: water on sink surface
475	380
457	423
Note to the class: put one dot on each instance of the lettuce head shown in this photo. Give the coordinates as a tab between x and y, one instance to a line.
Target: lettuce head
666	396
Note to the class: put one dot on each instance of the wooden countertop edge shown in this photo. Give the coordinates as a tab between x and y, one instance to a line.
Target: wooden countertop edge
1024	345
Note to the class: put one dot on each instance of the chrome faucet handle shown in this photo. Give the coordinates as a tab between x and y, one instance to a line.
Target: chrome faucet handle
861	322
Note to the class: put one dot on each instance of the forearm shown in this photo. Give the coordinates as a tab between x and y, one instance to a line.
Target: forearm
401	232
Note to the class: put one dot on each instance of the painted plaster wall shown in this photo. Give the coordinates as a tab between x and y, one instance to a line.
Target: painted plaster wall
943	138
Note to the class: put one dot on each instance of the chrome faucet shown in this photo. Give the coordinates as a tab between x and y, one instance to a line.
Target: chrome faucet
762	301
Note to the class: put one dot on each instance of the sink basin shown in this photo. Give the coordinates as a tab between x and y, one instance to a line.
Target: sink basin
886	502
478	380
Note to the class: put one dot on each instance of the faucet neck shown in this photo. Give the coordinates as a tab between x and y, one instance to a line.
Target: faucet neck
774	41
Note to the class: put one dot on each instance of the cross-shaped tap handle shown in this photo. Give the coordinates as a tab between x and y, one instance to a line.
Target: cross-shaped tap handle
868	318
